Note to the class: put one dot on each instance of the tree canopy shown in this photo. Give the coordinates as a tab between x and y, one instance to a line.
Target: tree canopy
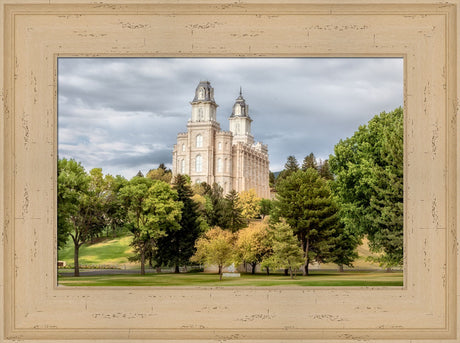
369	183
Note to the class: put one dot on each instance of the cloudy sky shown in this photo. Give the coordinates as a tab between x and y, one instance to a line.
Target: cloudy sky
123	115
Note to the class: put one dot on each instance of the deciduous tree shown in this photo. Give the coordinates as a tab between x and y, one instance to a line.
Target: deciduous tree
216	247
369	184
252	244
152	210
287	252
249	203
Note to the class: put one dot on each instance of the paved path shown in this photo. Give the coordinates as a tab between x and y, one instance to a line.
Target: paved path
89	272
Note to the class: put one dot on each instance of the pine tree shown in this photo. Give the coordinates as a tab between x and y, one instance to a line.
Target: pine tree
176	248
291	164
233	218
309	162
325	171
305	201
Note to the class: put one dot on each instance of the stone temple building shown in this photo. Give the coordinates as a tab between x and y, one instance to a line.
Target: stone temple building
230	158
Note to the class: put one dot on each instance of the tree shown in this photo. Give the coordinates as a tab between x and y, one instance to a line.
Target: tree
305	201
290	167
72	183
116	212
266	206
252	244
369	184
178	246
139	174
309	162
232	218
249	204
291	164
161	173
271	179
214	205
287	252
325	171
215	247
153	210
81	207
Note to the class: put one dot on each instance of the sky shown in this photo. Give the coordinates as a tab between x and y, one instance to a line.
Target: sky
123	114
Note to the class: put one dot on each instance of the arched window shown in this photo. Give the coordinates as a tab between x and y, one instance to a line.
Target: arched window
219	165
183	147
199	141
200	114
219	145
198	181
182	166
198	163
226	165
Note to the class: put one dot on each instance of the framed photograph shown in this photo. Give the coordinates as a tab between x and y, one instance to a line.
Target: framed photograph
36	34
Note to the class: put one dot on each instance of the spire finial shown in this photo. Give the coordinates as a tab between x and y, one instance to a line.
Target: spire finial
240	91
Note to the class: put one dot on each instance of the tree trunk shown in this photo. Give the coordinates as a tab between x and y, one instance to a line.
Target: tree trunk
254	265
341	268
142	262
220	273
286	272
176	269
268	270
75	260
307	247
388	270
290	272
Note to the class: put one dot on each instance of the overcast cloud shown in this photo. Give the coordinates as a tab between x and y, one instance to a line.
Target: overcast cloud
123	115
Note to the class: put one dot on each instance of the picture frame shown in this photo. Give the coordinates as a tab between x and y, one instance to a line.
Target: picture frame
36	33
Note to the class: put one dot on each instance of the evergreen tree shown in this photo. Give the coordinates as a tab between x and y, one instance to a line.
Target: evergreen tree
271	179
325	171
233	218
214	205
266	206
305	201
290	167
309	162
176	248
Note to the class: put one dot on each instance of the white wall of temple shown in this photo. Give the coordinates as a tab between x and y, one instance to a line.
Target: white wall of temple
203	112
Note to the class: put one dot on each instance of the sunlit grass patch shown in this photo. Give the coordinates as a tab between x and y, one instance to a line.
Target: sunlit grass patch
317	278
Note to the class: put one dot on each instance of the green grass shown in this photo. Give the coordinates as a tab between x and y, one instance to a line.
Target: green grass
113	251
317	278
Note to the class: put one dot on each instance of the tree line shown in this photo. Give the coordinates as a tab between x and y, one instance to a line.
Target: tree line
320	213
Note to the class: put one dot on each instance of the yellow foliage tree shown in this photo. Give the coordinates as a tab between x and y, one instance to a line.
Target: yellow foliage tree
252	244
215	247
249	203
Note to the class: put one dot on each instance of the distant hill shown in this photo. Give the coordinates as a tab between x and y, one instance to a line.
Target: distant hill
276	174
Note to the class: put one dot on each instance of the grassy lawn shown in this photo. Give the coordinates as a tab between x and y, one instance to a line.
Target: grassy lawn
113	251
317	278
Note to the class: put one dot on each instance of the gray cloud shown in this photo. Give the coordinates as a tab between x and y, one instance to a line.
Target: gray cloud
124	114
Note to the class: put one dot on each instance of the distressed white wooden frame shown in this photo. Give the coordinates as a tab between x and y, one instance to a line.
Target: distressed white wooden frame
35	33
